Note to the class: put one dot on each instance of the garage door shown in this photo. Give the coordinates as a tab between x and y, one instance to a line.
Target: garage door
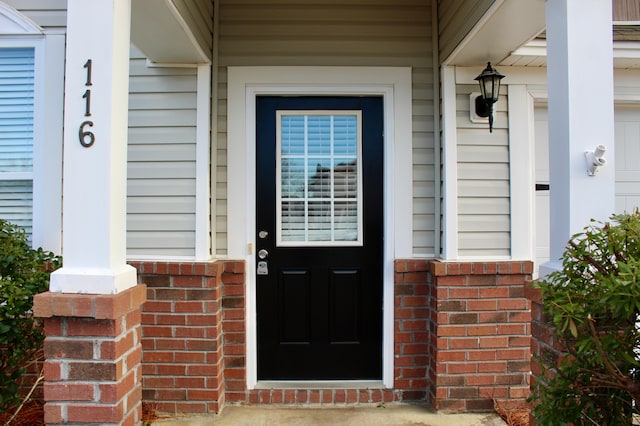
627	163
627	159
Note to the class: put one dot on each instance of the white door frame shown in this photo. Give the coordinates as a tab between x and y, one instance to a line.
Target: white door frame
394	85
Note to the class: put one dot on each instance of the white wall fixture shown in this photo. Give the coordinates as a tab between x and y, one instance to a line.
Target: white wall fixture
595	159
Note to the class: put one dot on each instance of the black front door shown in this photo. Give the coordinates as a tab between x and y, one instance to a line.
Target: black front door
319	237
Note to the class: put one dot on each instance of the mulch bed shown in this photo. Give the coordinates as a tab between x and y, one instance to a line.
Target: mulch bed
515	413
32	414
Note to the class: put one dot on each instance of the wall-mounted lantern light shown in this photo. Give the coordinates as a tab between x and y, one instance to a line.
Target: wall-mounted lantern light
489	80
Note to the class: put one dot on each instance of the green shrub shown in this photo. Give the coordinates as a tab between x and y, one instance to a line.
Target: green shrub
24	272
594	303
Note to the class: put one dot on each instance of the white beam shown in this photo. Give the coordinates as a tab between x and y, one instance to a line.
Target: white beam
95	149
522	172
580	78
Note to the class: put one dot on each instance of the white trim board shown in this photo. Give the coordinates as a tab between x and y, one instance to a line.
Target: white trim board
394	85
449	146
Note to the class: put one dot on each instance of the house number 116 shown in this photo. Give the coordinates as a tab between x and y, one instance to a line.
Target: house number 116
87	138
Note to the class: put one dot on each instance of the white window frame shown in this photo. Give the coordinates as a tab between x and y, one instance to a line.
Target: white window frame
394	85
323	243
18	31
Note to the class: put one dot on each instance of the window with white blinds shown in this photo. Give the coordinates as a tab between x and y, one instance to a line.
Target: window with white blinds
16	135
318	178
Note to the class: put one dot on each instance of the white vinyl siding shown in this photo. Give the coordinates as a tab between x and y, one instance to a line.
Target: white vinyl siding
348	33
423	162
483	181
48	14
17	74
161	181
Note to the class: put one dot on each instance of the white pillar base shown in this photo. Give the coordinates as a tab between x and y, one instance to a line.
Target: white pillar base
549	267
92	281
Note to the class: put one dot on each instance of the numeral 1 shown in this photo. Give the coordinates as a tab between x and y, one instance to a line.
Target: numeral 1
87	65
87	107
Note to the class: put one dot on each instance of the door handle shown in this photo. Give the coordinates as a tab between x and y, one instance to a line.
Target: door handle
263	254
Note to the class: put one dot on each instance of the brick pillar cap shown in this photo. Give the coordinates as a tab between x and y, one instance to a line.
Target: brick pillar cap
97	306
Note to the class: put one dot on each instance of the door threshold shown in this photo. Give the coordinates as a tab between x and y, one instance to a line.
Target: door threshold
320	384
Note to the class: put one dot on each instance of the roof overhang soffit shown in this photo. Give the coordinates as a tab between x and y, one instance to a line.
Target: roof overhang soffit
506	26
163	34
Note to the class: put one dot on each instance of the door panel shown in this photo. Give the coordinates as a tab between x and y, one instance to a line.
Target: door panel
319	230
295	290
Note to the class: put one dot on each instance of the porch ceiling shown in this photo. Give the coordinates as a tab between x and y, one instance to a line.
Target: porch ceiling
626	49
512	33
507	25
163	35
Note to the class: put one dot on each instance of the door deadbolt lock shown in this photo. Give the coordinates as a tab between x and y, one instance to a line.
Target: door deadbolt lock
263	234
263	254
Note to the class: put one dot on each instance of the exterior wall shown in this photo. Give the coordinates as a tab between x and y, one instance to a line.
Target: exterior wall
544	344
483	181
479	324
187	330
161	180
351	33
49	14
92	348
461	338
455	19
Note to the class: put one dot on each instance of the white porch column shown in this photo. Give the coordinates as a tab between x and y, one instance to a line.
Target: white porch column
580	79
95	144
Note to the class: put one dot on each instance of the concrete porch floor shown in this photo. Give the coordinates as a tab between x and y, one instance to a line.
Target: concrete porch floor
390	414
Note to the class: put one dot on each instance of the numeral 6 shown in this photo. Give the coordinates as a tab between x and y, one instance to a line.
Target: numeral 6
87	138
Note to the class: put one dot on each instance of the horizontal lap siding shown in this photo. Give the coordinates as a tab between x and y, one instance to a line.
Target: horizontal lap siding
220	207
161	160
49	14
423	162
483	181
335	33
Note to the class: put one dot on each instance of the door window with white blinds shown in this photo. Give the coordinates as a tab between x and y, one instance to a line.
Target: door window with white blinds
319	178
16	135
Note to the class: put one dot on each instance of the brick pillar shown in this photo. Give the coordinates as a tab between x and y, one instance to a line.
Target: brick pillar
185	350
411	329
544	343
92	357
480	342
